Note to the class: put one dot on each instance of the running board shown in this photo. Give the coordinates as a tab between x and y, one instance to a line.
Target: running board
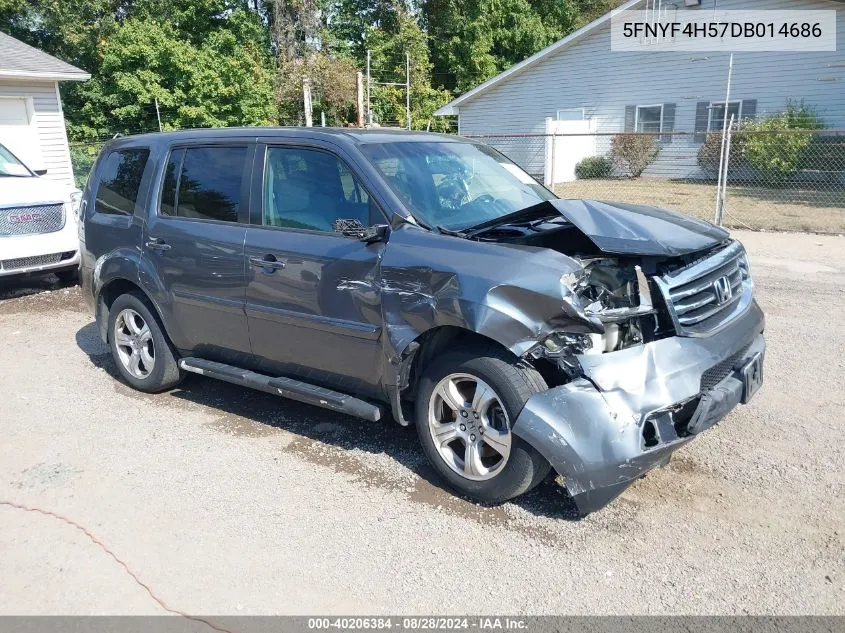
285	387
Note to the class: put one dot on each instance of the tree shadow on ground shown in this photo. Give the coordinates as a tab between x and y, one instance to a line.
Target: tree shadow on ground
253	413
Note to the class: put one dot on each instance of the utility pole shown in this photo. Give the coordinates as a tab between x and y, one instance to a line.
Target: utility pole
158	115
306	101
369	112
720	203
408	87
359	83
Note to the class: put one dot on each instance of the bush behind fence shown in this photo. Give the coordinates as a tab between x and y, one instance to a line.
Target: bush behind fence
776	179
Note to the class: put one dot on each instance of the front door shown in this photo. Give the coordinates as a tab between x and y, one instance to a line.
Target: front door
313	302
195	242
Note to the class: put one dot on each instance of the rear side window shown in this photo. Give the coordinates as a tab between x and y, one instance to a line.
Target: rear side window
120	180
204	183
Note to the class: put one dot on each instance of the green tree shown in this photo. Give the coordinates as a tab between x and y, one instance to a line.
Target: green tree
474	40
203	35
397	35
223	81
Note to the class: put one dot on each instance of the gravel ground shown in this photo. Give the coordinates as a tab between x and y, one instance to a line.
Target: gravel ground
228	501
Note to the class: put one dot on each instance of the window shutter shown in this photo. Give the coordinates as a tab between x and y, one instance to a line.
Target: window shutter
702	112
749	109
668	122
630	118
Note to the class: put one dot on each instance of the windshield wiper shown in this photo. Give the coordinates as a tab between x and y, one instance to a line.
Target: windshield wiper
540	211
452	232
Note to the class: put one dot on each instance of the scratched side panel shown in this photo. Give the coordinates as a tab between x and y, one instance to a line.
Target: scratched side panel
511	294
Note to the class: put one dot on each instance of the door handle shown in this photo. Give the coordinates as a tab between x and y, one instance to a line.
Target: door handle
157	244
267	262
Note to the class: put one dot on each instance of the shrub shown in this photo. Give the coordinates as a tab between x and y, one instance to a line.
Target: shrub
710	153
777	157
82	158
593	167
633	153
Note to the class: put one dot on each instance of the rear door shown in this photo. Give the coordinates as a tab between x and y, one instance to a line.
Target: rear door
195	242
313	300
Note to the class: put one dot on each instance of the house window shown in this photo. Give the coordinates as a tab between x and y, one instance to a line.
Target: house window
571	114
717	115
649	119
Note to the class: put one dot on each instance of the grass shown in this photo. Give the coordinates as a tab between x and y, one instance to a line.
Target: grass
787	209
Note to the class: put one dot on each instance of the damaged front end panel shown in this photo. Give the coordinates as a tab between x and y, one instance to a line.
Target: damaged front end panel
643	342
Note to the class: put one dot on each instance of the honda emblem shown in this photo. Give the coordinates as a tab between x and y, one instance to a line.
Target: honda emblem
723	289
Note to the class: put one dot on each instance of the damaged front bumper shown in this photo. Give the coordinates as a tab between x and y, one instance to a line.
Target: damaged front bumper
633	408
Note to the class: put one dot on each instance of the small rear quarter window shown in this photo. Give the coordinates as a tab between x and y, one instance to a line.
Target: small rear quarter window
120	180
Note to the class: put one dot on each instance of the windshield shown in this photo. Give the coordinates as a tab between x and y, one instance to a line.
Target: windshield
455	185
11	166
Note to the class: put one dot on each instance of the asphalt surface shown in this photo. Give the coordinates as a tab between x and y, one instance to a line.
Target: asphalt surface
226	501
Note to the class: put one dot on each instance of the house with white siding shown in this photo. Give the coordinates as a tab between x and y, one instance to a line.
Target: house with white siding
32	124
579	78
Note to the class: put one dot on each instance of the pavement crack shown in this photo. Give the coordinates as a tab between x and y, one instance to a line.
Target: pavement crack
94	539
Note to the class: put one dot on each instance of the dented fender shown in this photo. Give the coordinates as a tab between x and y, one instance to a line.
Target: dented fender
511	294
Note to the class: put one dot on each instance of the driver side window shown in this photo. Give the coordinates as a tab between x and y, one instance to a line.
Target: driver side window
313	190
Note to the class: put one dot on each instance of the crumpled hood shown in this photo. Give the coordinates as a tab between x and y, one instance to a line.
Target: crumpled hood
629	229
24	192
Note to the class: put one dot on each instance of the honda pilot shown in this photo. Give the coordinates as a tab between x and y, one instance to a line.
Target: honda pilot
429	279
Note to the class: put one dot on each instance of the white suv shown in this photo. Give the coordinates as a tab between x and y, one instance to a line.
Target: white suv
38	222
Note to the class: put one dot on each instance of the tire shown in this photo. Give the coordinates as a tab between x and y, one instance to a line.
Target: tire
140	348
489	475
69	276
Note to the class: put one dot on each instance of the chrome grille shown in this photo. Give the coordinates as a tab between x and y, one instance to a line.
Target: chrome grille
26	262
45	218
702	296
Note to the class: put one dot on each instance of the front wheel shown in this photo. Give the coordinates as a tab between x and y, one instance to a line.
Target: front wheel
466	406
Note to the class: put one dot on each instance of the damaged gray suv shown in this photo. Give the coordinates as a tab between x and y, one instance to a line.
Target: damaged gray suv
430	279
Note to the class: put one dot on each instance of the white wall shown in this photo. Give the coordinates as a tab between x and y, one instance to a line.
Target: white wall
47	124
588	74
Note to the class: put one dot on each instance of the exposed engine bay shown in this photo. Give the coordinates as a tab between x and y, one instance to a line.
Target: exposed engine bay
613	296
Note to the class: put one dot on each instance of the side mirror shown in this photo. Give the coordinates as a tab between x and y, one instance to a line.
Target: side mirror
40	172
375	233
354	228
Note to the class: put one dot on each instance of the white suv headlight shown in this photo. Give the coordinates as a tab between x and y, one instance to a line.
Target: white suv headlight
75	202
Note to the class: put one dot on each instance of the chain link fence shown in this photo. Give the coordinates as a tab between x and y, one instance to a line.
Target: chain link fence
782	180
787	180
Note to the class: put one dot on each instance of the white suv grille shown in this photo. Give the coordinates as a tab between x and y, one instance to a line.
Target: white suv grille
46	218
27	262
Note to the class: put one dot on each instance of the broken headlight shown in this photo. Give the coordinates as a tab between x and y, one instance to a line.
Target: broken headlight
610	298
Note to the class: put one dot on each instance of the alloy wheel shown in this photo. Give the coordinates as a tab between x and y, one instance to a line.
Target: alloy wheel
134	343
469	426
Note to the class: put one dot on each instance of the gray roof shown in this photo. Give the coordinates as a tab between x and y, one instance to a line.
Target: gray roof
19	60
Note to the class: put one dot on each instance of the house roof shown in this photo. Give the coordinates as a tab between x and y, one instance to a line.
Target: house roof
22	61
452	106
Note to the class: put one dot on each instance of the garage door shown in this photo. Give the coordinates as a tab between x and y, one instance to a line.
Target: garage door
17	131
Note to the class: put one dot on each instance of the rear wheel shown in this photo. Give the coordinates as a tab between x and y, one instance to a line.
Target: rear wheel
139	346
467	403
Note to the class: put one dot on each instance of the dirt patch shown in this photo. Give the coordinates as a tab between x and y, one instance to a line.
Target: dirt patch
746	207
39	294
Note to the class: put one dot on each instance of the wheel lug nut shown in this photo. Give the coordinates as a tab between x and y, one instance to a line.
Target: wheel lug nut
463	427
475	415
472	437
463	414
